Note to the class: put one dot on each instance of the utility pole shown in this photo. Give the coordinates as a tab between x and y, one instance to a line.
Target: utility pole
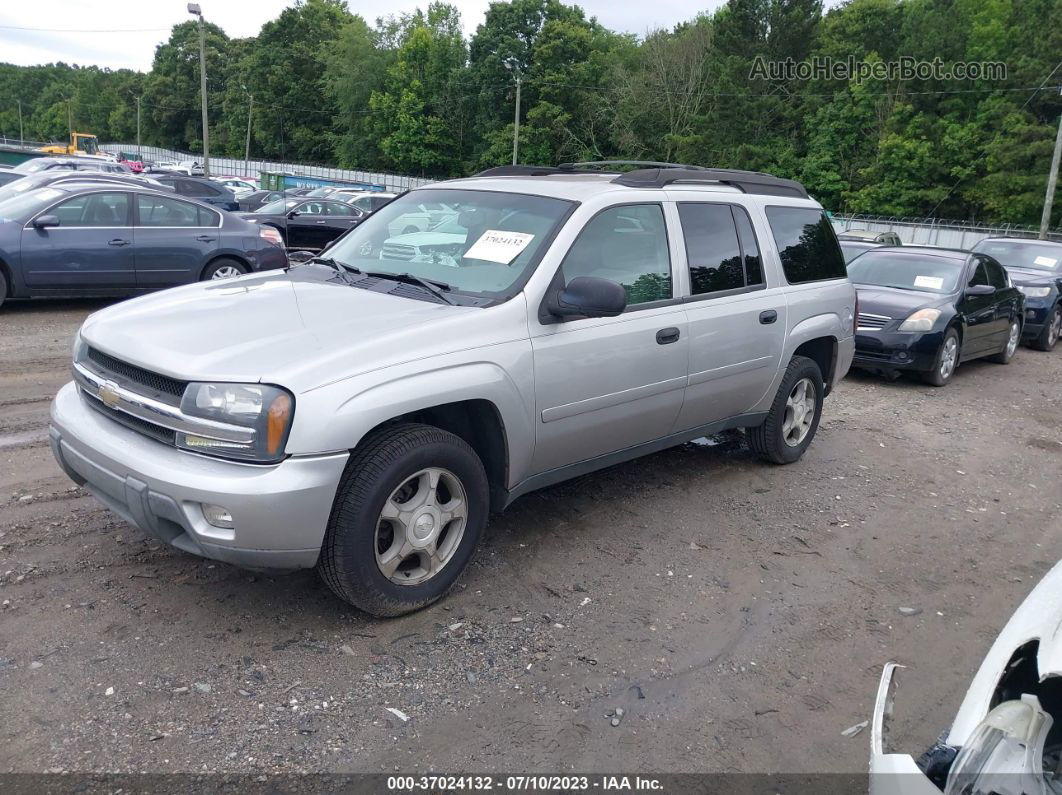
195	10
1052	181
247	146
514	66
21	139
139	156
69	120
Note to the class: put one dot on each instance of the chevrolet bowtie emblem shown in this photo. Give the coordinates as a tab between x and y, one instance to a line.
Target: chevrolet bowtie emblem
109	394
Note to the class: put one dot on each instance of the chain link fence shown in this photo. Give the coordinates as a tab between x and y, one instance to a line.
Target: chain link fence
232	167
936	231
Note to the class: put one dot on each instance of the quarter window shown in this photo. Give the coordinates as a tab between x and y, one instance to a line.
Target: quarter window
720	247
997	277
979	277
806	244
94	209
162	211
626	245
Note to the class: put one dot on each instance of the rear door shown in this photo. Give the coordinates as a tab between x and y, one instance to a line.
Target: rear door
737	321
91	247
173	240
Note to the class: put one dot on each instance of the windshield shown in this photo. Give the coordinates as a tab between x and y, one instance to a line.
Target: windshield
1018	254
278	207
318	192
17	207
853	250
922	272
477	242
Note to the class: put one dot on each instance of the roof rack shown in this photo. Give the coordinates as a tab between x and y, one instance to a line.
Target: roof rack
745	181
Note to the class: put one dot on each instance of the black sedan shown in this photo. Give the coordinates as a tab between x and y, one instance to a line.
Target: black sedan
1035	266
253	201
308	224
104	239
201	189
928	309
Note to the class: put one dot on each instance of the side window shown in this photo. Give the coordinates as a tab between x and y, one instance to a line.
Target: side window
712	247
94	209
749	247
806	244
627	245
997	277
162	211
337	209
208	217
980	276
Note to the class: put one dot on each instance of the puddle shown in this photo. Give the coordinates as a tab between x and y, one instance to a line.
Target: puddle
22	438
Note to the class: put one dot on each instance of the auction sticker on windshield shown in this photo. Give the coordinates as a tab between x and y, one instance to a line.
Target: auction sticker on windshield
932	282
1047	262
499	246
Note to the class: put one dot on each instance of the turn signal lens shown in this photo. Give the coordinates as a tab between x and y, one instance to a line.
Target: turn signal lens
277	421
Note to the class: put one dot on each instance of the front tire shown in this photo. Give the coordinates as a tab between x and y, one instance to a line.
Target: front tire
794	416
1011	345
946	362
408	515
1047	338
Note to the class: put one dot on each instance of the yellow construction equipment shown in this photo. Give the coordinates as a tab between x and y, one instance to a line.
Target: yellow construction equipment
80	144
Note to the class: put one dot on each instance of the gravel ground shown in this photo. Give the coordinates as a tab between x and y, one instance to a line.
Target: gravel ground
738	613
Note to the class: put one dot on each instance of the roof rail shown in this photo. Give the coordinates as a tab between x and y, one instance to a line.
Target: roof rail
745	181
639	163
527	171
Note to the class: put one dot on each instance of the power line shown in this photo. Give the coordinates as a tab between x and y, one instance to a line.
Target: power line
73	30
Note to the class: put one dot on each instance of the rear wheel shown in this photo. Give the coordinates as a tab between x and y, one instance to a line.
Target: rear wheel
794	416
946	362
1052	329
406	521
224	268
1011	345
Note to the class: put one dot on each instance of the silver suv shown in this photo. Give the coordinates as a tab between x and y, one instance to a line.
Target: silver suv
364	412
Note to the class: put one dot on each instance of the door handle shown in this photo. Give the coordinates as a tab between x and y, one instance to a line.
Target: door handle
768	316
118	242
667	335
204	238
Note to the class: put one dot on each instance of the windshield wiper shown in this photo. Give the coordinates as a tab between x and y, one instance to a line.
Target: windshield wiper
341	268
431	285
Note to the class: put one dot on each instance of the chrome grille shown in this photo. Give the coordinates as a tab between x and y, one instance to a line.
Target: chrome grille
129	374
156	432
868	322
397	251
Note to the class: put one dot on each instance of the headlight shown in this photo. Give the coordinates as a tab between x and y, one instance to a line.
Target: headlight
1036	292
922	320
267	409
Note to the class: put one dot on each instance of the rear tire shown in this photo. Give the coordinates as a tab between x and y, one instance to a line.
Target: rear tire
1011	345
786	433
3	287
223	268
370	525
1047	338
943	366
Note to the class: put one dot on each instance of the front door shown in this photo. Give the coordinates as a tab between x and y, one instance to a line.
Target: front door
606	384
980	313
91	247
737	322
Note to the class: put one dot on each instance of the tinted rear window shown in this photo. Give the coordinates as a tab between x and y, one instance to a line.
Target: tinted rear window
806	244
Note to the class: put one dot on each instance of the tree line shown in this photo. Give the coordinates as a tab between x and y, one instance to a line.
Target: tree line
411	94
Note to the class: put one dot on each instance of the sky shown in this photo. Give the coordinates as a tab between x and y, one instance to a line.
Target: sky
122	34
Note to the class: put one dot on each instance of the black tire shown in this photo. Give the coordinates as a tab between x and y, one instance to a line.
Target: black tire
1047	337
767	440
1005	355
379	465
935	377
3	287
219	265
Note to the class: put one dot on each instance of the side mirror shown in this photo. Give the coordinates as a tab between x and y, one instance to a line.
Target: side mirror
45	221
299	257
589	296
980	289
293	213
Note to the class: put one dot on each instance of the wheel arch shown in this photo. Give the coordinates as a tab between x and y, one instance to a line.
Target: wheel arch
233	255
822	351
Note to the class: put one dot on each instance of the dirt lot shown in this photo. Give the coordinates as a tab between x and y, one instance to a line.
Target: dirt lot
739	613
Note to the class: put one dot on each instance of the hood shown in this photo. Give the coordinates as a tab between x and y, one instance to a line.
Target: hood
1033	276
298	329
1038	618
895	303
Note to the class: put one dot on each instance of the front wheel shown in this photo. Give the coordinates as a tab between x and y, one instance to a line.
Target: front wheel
1047	338
407	518
946	362
794	416
1011	345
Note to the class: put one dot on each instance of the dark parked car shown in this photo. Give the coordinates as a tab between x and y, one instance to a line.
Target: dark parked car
1035	266
43	179
252	201
853	248
309	224
928	309
200	188
100	239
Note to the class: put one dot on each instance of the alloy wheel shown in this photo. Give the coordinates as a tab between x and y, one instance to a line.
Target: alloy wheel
226	272
1014	338
948	358
800	410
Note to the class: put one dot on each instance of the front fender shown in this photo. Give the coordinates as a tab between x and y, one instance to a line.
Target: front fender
338	416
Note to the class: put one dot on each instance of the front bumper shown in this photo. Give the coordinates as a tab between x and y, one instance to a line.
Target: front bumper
897	351
280	511
1036	310
892	774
